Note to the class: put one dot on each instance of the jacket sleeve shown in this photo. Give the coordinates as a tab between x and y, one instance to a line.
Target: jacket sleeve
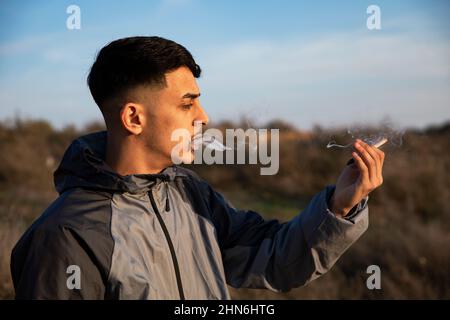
47	263
260	253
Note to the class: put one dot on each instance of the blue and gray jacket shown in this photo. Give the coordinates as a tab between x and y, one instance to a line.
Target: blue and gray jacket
167	236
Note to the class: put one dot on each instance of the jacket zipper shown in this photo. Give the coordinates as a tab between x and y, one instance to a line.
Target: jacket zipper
169	242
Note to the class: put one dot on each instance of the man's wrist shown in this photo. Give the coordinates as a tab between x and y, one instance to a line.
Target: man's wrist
339	212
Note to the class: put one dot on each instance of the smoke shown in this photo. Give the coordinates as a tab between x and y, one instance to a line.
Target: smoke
209	142
371	135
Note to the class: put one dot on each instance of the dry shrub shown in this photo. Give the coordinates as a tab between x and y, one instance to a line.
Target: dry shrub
409	215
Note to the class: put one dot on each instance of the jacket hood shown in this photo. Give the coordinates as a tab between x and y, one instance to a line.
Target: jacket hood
83	165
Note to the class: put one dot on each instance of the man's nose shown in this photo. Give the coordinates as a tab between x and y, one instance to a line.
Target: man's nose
202	116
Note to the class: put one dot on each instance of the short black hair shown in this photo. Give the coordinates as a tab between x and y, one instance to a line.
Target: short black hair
129	62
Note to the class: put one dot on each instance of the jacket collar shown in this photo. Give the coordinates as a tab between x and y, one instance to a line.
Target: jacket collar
83	165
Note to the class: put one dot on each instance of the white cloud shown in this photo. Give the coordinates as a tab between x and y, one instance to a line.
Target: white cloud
333	80
25	45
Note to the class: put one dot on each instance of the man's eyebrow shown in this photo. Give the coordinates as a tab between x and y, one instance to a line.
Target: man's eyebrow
191	95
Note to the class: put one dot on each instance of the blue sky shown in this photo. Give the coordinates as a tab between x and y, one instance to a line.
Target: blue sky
307	62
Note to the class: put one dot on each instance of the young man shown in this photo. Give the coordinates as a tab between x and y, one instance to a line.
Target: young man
129	224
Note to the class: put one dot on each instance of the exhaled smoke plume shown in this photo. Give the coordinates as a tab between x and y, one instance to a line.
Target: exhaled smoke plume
209	142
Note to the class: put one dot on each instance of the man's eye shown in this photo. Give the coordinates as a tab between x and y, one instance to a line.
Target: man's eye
186	106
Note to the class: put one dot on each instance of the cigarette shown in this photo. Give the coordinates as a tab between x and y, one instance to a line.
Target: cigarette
376	144
379	143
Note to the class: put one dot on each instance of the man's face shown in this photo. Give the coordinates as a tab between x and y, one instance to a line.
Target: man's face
173	107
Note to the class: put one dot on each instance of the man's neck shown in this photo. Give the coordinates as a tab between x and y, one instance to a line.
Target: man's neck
127	157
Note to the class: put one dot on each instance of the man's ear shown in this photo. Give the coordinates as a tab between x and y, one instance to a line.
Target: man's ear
133	119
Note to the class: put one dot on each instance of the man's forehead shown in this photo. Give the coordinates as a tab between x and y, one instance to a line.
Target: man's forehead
181	81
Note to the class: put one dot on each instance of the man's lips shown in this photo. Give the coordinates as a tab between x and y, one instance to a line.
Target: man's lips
196	141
